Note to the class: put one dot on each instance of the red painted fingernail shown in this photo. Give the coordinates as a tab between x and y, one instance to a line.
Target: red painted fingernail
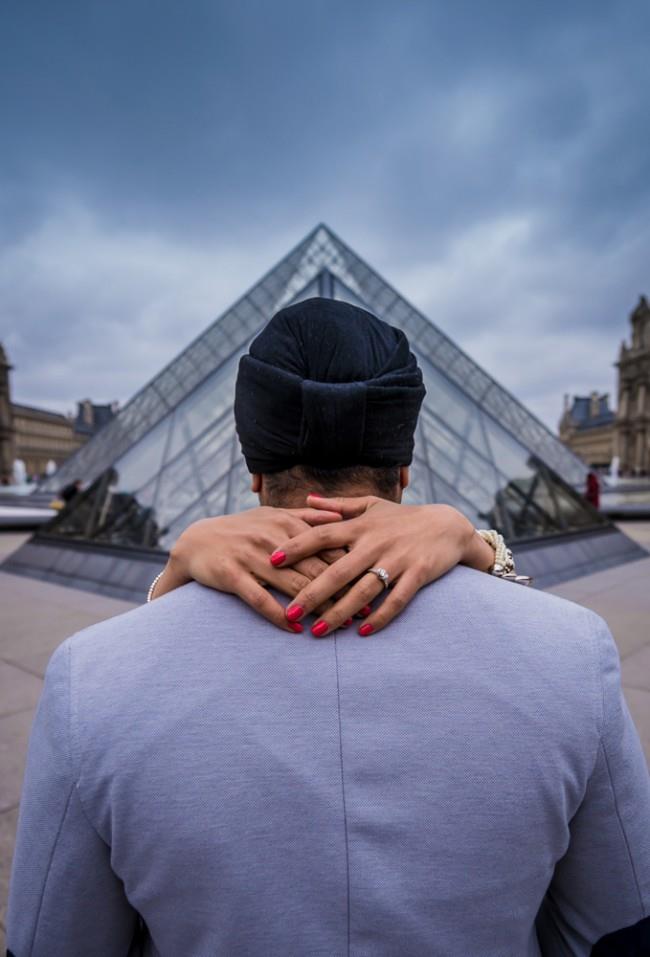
366	630
319	628
296	626
348	621
315	495
365	611
277	558
295	612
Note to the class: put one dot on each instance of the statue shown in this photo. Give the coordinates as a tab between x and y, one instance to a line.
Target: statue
20	472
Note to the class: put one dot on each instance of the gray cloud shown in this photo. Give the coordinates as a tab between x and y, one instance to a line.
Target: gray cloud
491	160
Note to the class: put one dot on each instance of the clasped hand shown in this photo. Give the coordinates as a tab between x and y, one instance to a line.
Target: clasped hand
319	557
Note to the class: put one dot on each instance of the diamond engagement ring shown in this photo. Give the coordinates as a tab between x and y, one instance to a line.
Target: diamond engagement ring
381	574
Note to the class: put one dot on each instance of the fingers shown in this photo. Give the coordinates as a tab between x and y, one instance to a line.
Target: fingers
286	580
263	603
308	569
337	615
341	613
395	602
346	507
311	542
331	555
311	568
314	516
332	582
328	557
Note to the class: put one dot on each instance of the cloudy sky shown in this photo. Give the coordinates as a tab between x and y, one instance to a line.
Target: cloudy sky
492	161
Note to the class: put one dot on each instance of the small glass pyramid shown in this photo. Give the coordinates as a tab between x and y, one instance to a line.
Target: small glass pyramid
172	456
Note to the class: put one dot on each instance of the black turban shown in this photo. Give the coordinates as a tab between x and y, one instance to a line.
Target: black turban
329	385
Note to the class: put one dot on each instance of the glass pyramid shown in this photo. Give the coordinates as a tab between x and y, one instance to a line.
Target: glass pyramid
171	455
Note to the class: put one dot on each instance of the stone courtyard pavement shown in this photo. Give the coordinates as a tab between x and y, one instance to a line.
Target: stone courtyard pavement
36	616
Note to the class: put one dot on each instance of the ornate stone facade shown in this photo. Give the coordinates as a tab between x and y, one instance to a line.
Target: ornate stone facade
632	430
597	434
38	436
42	436
587	427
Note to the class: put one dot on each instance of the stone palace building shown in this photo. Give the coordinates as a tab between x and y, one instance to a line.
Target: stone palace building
595	432
38	436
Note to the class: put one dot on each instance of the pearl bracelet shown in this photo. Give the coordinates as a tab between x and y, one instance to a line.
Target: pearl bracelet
504	563
152	586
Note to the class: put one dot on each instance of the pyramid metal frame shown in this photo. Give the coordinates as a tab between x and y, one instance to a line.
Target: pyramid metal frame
448	466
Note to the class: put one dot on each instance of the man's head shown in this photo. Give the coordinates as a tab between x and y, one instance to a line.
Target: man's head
327	400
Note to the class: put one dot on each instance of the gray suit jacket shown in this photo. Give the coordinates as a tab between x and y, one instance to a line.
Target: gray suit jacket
467	783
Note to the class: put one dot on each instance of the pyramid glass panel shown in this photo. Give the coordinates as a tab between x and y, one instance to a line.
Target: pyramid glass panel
178	437
144	462
171	455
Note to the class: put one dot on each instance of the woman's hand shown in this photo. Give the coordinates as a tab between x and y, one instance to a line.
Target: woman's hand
230	553
414	543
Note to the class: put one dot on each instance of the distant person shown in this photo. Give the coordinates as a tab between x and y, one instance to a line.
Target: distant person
70	491
592	493
469	783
